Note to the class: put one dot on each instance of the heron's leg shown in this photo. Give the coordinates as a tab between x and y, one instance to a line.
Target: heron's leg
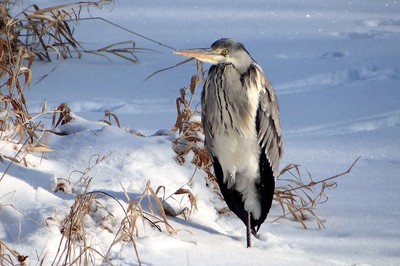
248	230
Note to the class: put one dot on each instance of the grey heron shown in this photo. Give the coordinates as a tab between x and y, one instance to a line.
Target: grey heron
240	116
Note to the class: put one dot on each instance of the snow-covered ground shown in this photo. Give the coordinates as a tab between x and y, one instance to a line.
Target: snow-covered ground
335	66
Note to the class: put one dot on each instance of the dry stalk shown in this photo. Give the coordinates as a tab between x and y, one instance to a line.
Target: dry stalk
15	76
38	33
155	216
83	179
10	257
300	199
190	130
181	193
74	247
107	118
48	30
61	115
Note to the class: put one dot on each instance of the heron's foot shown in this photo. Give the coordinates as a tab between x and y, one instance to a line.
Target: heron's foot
254	233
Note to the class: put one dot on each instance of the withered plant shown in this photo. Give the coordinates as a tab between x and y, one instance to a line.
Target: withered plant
10	257
189	129
299	198
49	30
15	76
76	246
61	115
43	33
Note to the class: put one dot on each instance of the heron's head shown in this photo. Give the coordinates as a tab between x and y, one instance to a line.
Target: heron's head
222	51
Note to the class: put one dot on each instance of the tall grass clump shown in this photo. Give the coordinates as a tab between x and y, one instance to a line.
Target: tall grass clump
44	34
10	256
79	245
27	35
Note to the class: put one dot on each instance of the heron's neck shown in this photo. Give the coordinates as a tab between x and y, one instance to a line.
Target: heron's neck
242	64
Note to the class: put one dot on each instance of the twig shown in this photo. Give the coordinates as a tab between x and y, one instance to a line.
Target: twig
312	183
12	161
128	30
168	68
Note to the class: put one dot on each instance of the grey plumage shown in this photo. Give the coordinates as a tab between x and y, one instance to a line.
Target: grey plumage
240	115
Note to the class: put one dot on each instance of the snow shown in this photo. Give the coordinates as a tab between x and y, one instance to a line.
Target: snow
335	68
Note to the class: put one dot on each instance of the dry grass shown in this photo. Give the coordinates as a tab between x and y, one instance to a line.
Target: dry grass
189	129
38	33
45	34
10	257
15	76
298	198
48	30
78	246
183	196
74	247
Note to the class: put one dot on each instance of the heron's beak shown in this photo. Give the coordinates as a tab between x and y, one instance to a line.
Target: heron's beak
205	55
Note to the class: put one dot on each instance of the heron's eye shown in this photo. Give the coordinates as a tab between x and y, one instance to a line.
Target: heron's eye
224	52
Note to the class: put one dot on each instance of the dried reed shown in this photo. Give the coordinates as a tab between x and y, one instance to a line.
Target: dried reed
190	131
75	247
300	199
39	33
10	257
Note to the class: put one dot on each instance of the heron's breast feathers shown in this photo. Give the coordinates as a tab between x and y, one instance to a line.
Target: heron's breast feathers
228	108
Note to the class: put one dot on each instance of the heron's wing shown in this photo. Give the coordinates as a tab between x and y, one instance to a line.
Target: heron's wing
209	108
268	123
